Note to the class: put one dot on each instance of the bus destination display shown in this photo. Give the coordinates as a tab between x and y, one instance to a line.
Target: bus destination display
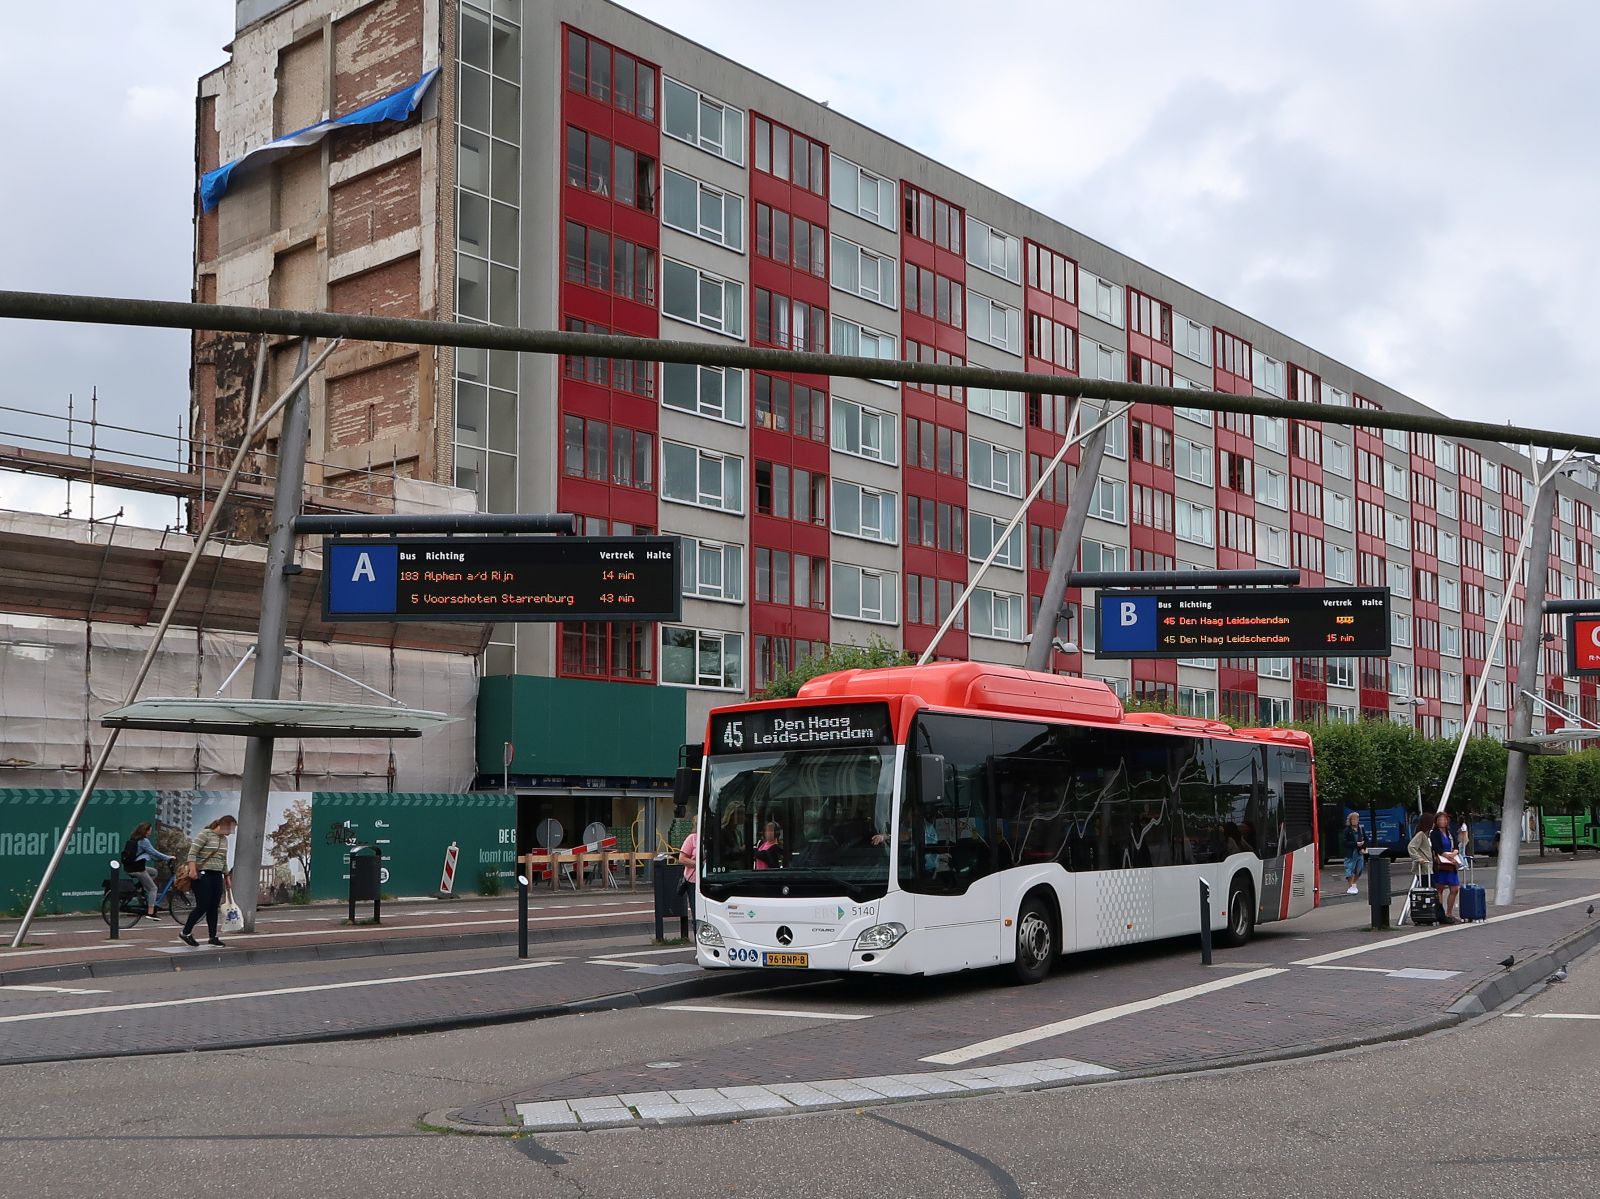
501	578
1301	622
768	730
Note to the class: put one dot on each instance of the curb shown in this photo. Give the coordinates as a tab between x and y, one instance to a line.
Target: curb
1482	998
326	951
713	985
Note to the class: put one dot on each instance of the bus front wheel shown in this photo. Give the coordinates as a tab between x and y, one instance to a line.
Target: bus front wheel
1241	914
1036	942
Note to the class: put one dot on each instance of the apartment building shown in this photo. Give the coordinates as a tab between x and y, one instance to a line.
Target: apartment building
576	166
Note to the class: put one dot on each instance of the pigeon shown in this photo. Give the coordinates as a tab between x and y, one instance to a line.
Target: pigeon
1560	976
1509	960
1590	912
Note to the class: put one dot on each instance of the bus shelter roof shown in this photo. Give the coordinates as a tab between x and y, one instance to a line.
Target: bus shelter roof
273	718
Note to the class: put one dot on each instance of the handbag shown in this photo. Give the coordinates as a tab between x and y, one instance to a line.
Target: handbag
190	870
1450	860
182	883
232	916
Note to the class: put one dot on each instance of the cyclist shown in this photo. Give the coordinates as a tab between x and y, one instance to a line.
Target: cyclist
142	865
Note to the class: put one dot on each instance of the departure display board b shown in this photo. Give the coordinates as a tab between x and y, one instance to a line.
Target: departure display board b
501	578
1301	622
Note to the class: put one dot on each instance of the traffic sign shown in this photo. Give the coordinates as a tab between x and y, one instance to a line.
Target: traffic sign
1302	622
501	578
1583	646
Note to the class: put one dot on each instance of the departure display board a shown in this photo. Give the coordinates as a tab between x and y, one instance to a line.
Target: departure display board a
772	730
1300	622
501	578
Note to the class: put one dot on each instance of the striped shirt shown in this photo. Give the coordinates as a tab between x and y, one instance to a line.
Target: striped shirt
209	850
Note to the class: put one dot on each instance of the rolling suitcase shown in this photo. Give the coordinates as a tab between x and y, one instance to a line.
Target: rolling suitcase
1474	903
1424	906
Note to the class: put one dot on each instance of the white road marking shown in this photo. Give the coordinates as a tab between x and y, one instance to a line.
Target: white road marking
1027	1036
642	953
768	1011
1439	932
1406	972
1555	1015
56	990
1362	969
192	1000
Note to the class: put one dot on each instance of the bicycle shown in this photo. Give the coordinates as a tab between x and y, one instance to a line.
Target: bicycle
132	910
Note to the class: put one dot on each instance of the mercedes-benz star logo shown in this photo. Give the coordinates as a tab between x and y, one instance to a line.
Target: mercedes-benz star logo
785	934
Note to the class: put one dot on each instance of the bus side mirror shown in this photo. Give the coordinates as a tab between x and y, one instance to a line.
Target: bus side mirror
930	776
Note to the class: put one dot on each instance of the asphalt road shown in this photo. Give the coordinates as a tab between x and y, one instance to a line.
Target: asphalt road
1503	1106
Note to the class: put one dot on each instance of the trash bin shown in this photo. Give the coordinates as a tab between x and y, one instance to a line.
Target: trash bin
669	899
366	879
1379	890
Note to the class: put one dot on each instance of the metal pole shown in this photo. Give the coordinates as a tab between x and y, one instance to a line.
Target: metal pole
1544	502
522	910
257	778
167	314
1205	923
1022	511
1066	555
1482	684
114	889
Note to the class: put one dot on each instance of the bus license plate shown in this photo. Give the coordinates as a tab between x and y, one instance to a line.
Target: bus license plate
800	960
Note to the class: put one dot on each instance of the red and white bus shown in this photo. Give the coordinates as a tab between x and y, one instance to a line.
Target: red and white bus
926	819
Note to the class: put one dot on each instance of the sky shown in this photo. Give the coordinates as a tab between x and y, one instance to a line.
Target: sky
1408	186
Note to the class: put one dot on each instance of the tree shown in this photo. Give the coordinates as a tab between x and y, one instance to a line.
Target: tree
291	840
1349	765
876	654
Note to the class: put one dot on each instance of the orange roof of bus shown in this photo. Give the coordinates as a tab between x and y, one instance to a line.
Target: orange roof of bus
1010	690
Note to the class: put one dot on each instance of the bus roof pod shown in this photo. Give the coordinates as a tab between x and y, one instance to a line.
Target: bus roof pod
977	686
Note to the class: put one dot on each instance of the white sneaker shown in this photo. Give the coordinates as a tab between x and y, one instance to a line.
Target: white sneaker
1354	890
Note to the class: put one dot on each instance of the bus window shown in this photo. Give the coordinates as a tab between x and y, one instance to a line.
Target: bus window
1031	794
1290	777
1238	776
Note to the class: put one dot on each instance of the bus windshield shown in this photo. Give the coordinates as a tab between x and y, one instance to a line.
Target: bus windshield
803	822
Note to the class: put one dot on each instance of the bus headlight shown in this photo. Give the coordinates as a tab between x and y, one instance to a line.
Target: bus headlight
881	936
706	935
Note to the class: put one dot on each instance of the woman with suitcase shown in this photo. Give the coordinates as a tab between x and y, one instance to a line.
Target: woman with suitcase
1446	868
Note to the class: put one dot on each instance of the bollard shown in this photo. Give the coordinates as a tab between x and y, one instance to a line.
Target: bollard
1205	923
1379	888
114	889
522	913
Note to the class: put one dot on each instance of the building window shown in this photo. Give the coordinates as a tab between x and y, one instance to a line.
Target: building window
791	492
858	190
616	172
864	432
1340	563
935	525
702	658
1197	701
597	259
998	405
935	296
703	478
1234	355
1192	340
1099	556
785	154
1100	298
860	272
996	614
863	342
1109	501
930	219
1397	530
594	450
714	391
1053	273
1400	626
702	211
862	594
994	468
986	531
608	650
791	240
620	374
701	298
864	512
1195	523
935	447
1337	509
916	351
610	76
788	324
694	117
1052	341
1236	531
713	570
929	600
1268	374
785	578
786	407
1100	362
1272	488
1272	545
990	250
993	322
1149	317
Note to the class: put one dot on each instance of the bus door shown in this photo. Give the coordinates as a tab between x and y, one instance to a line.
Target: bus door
1288	873
947	858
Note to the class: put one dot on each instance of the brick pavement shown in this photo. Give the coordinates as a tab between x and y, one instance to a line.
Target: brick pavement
1303	1007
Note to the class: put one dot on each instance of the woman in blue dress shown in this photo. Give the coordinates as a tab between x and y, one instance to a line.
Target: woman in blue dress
1446	868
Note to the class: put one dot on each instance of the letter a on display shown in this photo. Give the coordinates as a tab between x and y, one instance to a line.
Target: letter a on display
363	570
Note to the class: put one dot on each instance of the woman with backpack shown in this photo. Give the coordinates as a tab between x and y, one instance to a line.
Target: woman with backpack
139	858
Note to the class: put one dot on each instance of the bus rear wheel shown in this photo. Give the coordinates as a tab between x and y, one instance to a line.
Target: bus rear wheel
1036	942
1241	925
